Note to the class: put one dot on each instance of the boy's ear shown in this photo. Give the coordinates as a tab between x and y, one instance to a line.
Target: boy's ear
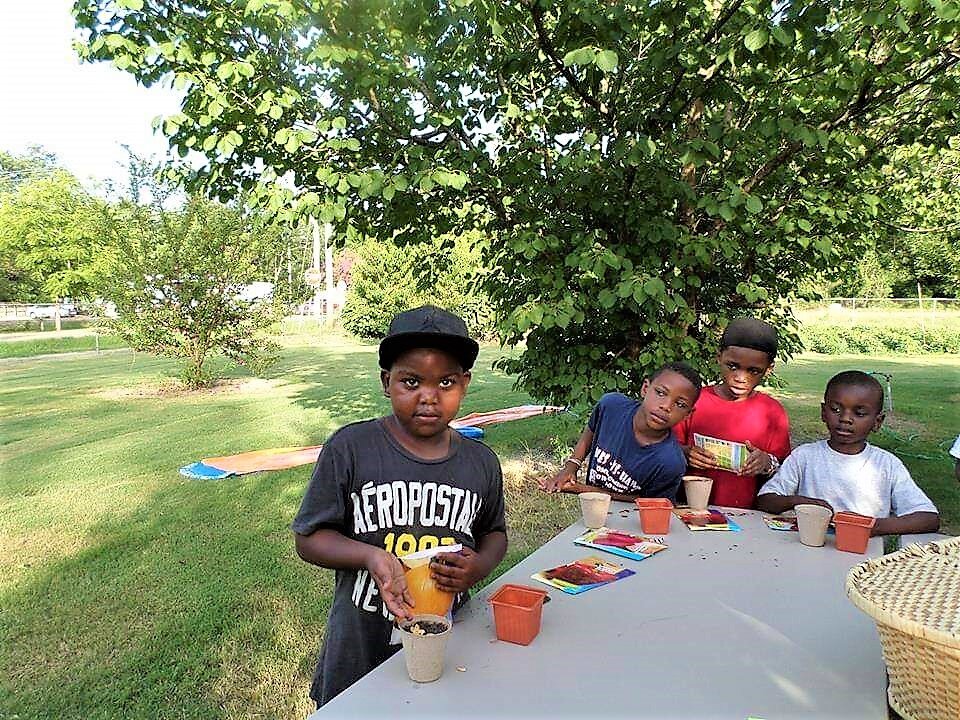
878	422
467	376
644	388
385	381
770	367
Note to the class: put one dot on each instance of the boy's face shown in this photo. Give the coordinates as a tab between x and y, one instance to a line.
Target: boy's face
667	399
742	369
851	413
425	387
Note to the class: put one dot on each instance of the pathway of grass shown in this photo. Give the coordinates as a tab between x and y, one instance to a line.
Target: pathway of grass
127	591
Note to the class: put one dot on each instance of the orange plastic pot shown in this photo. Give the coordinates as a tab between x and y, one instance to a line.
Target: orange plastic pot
516	613
655	515
853	531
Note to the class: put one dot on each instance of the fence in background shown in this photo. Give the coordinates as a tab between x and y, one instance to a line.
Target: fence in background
881	303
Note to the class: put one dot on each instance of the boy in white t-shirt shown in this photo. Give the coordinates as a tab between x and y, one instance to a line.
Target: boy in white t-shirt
845	472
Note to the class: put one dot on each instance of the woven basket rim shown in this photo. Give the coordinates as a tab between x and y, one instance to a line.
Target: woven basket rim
887	617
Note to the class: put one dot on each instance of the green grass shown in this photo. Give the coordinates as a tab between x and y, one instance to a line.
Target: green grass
28	325
53	345
127	591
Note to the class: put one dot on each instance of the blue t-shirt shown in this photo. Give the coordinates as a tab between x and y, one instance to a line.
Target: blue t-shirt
621	464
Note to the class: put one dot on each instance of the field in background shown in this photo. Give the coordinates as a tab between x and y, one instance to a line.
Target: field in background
906	315
127	591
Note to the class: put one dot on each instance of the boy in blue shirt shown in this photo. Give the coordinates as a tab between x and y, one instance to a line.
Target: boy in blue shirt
399	484
629	445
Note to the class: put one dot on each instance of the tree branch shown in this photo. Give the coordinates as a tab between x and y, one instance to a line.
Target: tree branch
544	42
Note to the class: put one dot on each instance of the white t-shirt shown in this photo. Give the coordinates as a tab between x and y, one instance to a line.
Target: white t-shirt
955	450
873	482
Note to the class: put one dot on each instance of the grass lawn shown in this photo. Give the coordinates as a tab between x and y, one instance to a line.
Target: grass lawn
127	591
52	343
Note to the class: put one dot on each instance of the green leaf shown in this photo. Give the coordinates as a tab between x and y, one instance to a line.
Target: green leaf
753	204
804	225
580	56
130	4
606	60
756	39
654	287
782	35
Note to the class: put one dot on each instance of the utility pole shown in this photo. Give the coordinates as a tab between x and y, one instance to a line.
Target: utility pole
328	268
317	293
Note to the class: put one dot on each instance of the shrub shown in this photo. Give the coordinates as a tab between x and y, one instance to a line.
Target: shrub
388	279
176	282
883	339
824	340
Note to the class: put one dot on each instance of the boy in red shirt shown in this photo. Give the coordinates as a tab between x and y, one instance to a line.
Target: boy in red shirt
733	410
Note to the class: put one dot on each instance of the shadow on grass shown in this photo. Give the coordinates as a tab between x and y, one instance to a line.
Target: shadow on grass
127	591
192	606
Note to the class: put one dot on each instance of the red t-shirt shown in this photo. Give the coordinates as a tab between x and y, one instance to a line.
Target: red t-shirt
759	419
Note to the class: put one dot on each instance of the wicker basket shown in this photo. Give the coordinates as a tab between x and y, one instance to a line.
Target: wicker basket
914	597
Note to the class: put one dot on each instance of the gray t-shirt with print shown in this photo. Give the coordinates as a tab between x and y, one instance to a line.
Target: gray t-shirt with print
366	486
873	482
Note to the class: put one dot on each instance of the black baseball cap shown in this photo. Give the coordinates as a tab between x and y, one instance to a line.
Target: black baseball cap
751	333
428	327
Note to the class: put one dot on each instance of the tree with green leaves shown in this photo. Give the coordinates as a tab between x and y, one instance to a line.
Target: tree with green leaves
920	243
34	164
51	238
642	171
177	282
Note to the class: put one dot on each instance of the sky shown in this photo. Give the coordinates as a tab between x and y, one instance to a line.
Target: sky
83	112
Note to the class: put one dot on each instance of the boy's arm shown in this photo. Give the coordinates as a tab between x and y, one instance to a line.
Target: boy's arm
577	488
566	477
458	572
782	491
776	504
917	522
331	549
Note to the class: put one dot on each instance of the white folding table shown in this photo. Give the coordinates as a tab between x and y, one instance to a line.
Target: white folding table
720	625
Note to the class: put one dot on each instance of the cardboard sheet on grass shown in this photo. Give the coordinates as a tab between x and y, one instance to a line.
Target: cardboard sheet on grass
215	468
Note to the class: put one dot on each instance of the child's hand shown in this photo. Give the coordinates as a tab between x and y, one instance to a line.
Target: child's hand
456	572
700	458
563	479
758	462
387	572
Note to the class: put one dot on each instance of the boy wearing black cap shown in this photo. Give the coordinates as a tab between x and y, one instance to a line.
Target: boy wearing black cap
734	411
395	485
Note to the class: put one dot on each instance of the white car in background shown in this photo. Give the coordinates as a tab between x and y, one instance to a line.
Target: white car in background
49	311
